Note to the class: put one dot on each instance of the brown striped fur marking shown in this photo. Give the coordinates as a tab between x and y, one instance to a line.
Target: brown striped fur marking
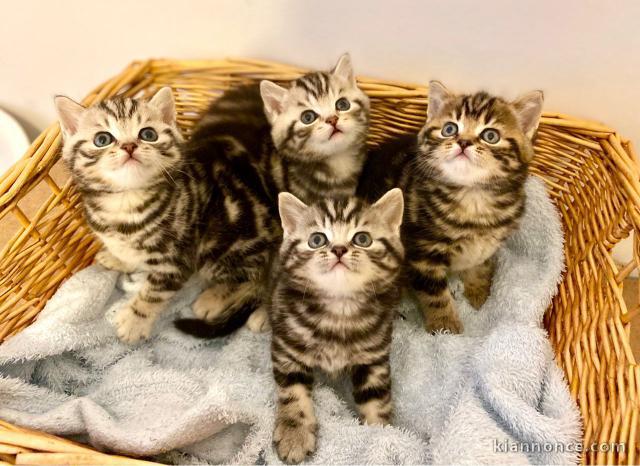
332	309
258	146
464	191
145	205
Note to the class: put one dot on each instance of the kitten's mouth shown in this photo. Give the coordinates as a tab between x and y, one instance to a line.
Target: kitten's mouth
335	132
461	155
131	160
339	265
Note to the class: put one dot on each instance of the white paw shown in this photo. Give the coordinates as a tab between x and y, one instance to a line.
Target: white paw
109	261
210	303
258	322
293	442
130	327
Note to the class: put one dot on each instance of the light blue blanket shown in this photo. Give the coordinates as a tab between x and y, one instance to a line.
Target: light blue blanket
492	395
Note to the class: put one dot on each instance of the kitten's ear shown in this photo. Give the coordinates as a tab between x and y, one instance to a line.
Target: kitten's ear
163	101
291	211
273	98
69	112
390	208
344	69
528	109
438	96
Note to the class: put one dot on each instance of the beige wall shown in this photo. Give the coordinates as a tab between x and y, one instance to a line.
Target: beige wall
585	55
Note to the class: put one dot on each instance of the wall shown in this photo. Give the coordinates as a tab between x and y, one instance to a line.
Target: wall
585	55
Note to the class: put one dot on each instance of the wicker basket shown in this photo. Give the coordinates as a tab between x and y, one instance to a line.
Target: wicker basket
590	172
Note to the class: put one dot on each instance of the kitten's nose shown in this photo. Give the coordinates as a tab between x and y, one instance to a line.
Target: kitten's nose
129	147
463	143
339	251
332	120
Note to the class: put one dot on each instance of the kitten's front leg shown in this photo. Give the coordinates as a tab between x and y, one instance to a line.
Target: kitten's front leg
111	262
477	282
259	320
372	391
135	321
294	435
429	280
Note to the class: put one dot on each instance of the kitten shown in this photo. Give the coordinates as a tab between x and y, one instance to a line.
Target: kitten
332	309
170	210
141	197
463	178
308	139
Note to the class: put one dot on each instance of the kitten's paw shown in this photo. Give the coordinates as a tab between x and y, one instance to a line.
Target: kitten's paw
258	322
130	327
211	302
372	418
293	441
448	322
477	297
109	261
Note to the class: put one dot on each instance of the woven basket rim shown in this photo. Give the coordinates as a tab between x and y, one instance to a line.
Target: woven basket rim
584	163
10	192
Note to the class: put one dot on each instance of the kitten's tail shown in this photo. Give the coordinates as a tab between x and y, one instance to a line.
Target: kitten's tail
227	322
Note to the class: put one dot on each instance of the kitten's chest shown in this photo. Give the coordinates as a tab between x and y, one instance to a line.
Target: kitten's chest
330	347
473	223
123	209
333	358
469	252
125	249
470	207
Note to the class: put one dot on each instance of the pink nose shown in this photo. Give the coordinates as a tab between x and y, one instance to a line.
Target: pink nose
463	143
332	120
339	251
129	147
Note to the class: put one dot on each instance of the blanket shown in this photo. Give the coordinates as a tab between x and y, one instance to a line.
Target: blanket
491	395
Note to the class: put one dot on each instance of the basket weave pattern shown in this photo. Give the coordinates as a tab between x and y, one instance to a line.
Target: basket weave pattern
590	171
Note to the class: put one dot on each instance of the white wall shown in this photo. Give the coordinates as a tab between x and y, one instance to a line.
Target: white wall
584	54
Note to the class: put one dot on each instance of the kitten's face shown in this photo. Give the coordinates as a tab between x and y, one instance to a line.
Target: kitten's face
320	115
476	139
120	144
343	247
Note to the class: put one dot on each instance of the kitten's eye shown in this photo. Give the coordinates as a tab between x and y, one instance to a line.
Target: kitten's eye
317	240
308	117
343	104
148	134
102	139
449	129
490	135
362	239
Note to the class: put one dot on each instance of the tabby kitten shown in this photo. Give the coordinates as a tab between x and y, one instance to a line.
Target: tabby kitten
332	309
463	178
140	195
308	139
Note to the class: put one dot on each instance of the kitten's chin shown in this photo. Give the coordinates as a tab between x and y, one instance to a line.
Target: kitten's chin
130	175
339	281
338	144
463	172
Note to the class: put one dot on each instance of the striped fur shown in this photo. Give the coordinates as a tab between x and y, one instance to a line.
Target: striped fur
463	195
147	209
332	309
258	146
